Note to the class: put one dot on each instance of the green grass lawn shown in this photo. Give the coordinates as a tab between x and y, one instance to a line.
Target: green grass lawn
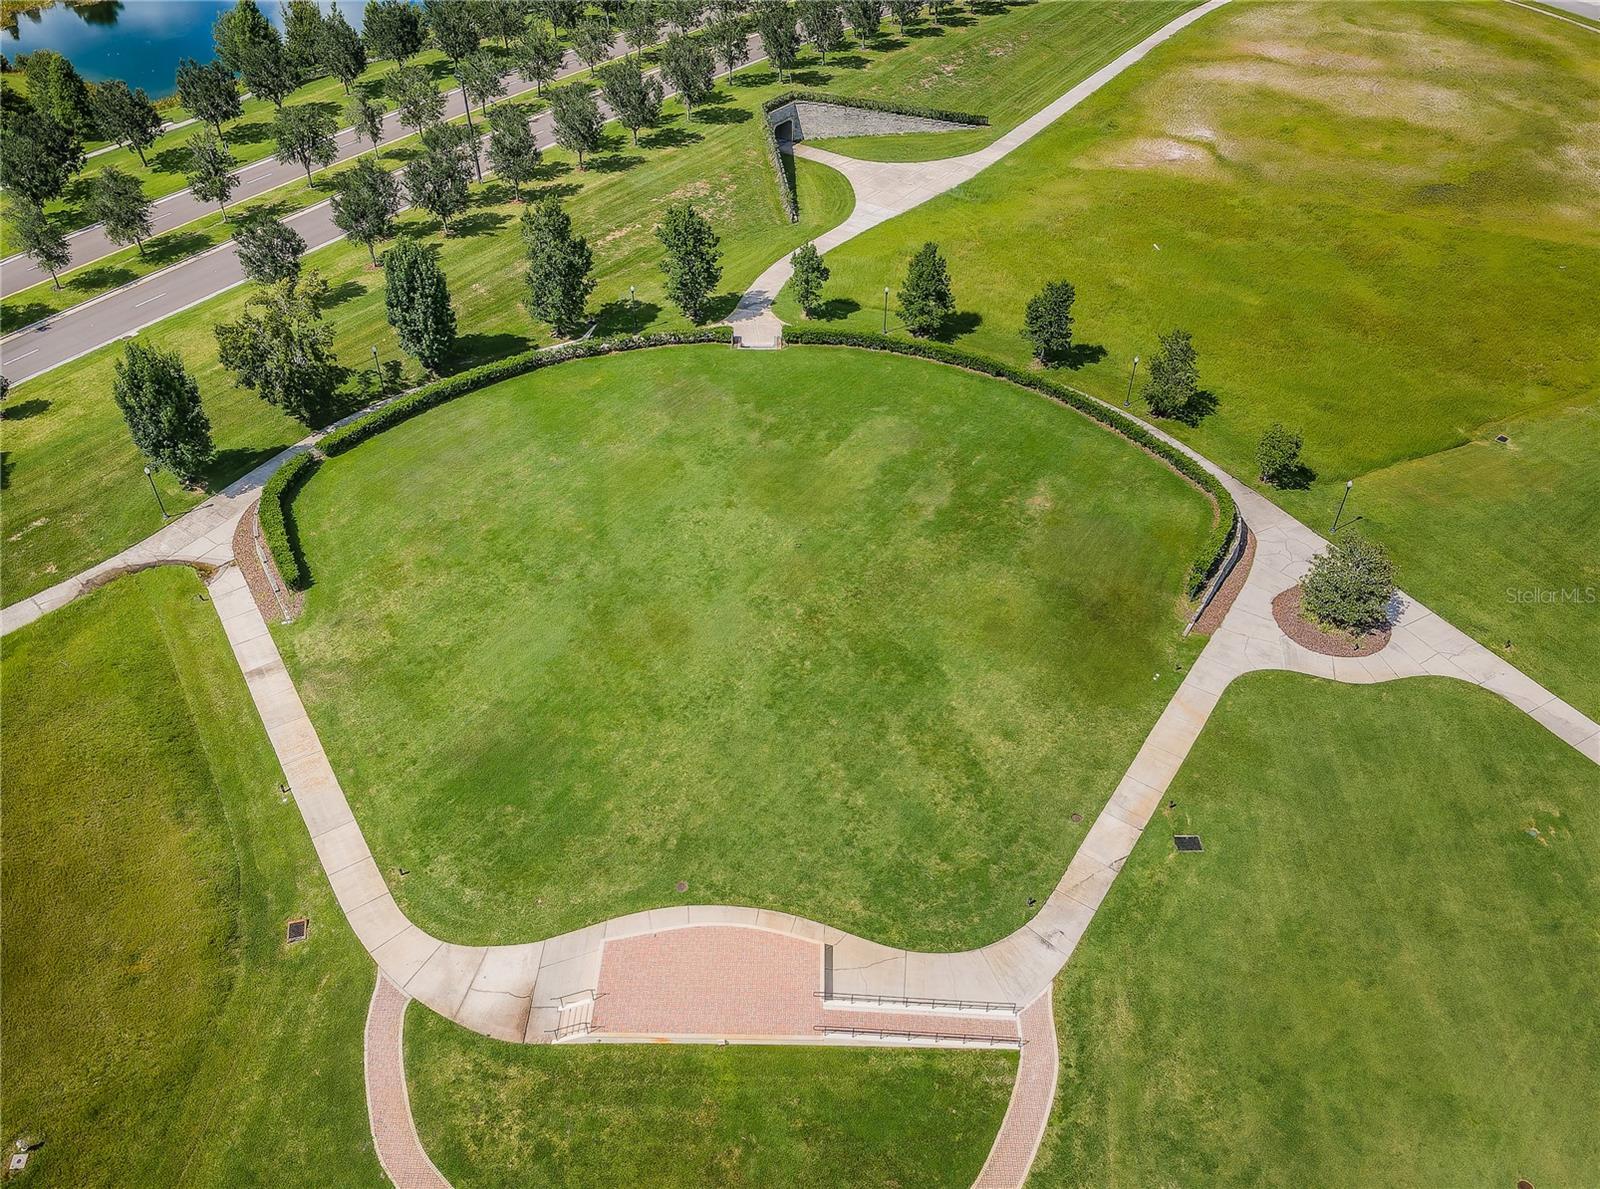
1382	969
1377	222
148	865
828	632
698	1116
1005	68
74	493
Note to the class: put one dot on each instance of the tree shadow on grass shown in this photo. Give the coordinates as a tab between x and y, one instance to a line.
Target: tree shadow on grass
5	469
23	409
810	77
479	223
625	317
1201	405
615	162
228	465
555	190
719	307
672	137
1078	355
341	293
173	246
473	349
957	324
15	317
721	115
847	62
923	29
1299	477
835	309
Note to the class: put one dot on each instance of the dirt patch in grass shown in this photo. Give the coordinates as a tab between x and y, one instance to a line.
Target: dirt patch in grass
1286	610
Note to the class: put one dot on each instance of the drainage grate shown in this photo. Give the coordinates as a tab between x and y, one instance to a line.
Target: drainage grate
1502	439
298	928
682	885
1077	817
1187	842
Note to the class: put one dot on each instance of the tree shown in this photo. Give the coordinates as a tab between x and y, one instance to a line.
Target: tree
483	79
1349	585
418	302
539	55
591	41
269	72
38	156
779	38
127	116
504	19
866	18
282	349
564	14
693	264
210	172
688	68
365	118
392	29
209	91
268	249
513	152
55	88
729	39
365	204
641	24
559	265
340	51
415	98
810	275
454	29
1173	379
905	11
635	99
577	120
161	404
437	180
925	298
305	134
682	15
823	24
1047	324
118	203
238	30
1278	455
303	30
40	241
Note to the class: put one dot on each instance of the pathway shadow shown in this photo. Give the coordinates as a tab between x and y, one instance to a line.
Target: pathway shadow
719	307
23	409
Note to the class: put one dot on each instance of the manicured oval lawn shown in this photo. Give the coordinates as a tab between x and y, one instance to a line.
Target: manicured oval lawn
823	631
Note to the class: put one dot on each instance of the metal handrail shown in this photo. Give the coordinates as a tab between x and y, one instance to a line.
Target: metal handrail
984	1005
899	1034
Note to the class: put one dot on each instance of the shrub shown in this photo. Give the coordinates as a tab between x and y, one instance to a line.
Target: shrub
1278	455
925	298
1174	377
1349	585
276	520
1212	550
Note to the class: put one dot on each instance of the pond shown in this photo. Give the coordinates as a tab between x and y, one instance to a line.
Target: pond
139	41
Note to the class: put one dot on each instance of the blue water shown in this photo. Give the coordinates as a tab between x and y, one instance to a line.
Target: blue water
138	41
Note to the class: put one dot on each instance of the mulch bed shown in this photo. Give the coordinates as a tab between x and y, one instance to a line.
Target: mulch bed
1286	610
1211	619
276	602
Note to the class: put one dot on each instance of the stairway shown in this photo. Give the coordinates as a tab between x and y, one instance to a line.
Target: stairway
575	1019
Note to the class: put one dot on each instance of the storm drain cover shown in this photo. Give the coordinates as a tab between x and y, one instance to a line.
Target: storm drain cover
1503	439
682	885
298	928
1187	841
1077	817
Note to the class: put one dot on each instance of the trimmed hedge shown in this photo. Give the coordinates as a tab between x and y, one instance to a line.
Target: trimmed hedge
277	524
883	105
275	517
1215	547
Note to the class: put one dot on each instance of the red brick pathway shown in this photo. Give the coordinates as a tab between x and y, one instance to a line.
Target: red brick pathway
1031	1097
394	1132
735	982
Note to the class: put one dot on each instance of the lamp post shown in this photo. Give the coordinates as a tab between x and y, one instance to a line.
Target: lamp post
150	474
1128	400
631	303
886	309
1348	484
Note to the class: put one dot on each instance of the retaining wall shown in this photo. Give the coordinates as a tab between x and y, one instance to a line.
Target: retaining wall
816	120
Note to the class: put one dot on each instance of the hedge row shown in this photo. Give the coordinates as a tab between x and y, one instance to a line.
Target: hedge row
883	105
1215	547
273	516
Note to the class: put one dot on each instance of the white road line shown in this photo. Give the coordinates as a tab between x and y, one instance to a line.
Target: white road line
148	300
24	355
1545	12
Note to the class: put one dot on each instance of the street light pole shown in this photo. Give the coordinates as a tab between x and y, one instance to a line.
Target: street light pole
1129	399
886	309
1348	484
150	474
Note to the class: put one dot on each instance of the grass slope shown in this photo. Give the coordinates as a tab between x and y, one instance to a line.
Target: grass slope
1376	219
1381	969
691	1115
833	633
148	867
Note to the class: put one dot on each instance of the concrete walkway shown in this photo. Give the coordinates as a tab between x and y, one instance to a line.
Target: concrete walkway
394	1130
886	189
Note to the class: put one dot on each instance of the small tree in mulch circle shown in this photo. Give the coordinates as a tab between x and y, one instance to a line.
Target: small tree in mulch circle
1349	586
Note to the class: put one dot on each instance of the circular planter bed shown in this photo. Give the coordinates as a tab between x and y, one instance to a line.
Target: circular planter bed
1286	610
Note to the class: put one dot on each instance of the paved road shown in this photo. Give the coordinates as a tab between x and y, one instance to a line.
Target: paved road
90	244
122	312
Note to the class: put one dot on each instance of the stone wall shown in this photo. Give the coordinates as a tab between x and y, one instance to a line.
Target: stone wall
812	120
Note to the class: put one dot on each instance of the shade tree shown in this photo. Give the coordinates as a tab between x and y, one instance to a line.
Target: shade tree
340	52
269	250
632	95
1047	321
40	240
125	115
809	276
119	205
591	41
364	117
437	179
539	55
925	297
687	65
210	173
416	100
392	29
693	261
209	91
305	135
578	123
1173	380
824	25
513	152
560	265
365	204
780	40
1349	585
282	348
417	300
160	402
38	154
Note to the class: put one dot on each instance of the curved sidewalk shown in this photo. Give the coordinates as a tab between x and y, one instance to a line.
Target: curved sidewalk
394	1130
